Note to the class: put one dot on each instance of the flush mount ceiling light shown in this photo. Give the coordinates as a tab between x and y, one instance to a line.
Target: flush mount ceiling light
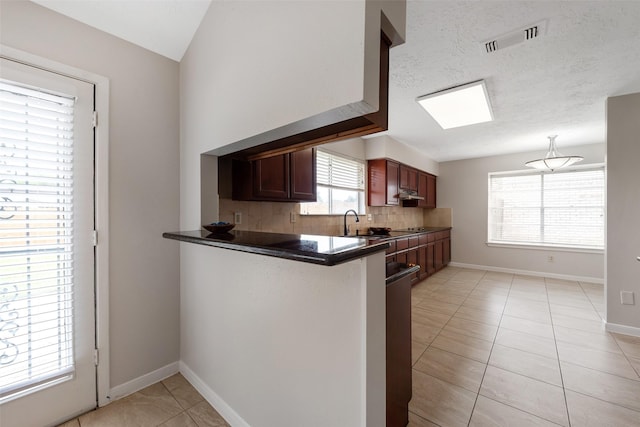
463	105
553	159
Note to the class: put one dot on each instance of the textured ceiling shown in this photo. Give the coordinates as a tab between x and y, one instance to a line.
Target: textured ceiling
555	84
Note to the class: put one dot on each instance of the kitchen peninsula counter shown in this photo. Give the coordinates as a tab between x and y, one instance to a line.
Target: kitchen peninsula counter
272	295
323	250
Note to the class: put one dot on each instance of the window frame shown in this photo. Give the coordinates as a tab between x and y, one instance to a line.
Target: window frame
362	193
542	245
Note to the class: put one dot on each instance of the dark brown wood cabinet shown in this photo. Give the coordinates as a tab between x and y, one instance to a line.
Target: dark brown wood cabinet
303	177
430	250
382	183
408	178
289	177
442	249
427	190
431	267
446	251
271	178
387	178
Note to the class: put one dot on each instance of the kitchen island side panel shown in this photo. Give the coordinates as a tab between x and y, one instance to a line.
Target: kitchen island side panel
284	343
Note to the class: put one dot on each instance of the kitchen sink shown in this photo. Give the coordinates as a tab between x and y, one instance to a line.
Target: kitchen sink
368	237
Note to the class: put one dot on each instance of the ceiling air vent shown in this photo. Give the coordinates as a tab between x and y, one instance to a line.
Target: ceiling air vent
516	37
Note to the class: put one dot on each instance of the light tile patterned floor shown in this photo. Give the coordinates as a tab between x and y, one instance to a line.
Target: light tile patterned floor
169	403
489	349
497	349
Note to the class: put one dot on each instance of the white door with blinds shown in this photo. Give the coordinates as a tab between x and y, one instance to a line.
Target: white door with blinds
47	308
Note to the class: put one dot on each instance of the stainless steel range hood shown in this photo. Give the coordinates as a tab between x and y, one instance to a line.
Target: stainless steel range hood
409	195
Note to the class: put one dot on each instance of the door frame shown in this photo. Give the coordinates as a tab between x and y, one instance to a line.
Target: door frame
101	194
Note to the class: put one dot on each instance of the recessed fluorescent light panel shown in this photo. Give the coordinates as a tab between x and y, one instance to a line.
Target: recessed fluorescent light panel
459	106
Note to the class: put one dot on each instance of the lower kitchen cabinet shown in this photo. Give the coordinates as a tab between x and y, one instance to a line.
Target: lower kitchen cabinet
429	261
442	249
431	250
446	251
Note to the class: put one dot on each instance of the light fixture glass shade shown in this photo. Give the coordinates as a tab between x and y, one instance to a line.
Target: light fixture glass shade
553	159
459	106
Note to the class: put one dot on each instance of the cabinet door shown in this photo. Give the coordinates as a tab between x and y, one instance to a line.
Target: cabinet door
422	260
431	266
412	259
431	192
446	251
271	178
422	189
393	170
377	182
438	254
303	175
408	178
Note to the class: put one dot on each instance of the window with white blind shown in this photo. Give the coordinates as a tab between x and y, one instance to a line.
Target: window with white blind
340	185
36	238
558	209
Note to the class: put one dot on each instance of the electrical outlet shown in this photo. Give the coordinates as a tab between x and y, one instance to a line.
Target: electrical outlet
369	217
550	258
237	217
292	217
627	298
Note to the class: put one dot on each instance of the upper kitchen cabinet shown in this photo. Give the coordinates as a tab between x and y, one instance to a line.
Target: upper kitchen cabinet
271	178
408	178
287	177
388	178
427	190
303	175
383	183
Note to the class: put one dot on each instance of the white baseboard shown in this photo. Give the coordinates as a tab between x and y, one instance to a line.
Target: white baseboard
213	398
137	384
622	329
597	280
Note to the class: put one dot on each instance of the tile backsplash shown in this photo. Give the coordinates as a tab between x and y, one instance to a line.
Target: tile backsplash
276	217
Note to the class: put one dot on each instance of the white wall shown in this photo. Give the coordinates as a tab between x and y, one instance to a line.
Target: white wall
354	148
462	186
380	147
285	343
623	213
253	67
143	160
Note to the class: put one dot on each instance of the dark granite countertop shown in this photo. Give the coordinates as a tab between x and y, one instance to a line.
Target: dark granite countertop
324	250
394	234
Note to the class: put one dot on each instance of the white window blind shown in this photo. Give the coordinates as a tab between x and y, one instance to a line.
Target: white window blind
340	185
563	208
36	229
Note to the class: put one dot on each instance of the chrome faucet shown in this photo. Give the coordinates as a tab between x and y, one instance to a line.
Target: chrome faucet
346	229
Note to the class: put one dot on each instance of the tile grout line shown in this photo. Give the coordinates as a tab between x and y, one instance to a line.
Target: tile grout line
486	366
624	353
442	328
590	300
